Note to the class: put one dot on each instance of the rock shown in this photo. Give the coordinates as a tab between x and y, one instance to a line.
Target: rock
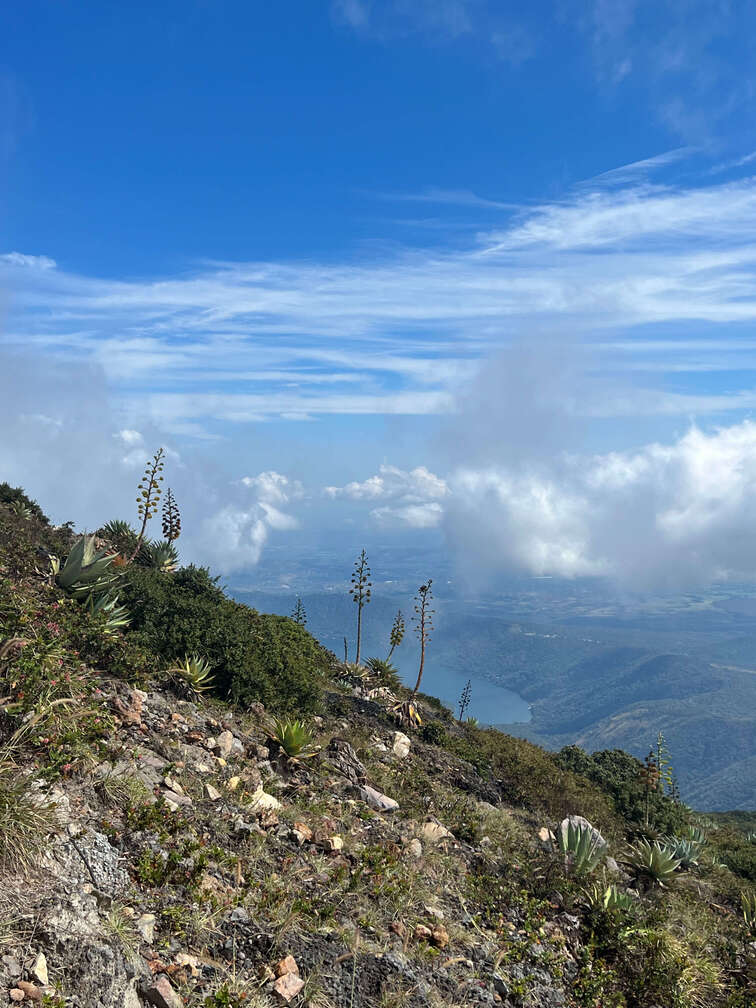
401	746
433	832
238	916
262	752
209	885
302	832
335	843
212	793
233	783
286	965
376	800
30	990
263	802
39	970
546	836
188	961
173	785
423	932
12	965
16	994
612	867
161	994
440	937
202	768
414	848
225	743
146	927
176	798
434	912
288	986
210	743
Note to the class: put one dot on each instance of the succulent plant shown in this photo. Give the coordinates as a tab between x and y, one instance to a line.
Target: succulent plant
294	737
684	849
159	555
406	713
384	672
654	861
86	569
194	672
582	847
609	898
106	604
19	508
748	902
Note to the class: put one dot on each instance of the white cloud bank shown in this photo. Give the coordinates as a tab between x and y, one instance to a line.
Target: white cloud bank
663	515
401	498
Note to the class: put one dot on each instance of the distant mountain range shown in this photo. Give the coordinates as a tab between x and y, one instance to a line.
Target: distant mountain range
598	672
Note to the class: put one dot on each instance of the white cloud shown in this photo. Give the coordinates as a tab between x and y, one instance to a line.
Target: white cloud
667	514
400	333
233	537
406	497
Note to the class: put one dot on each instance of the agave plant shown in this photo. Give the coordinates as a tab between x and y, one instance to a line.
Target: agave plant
582	847
19	508
654	861
86	569
194	672
294	737
120	533
751	837
748	902
384	672
106	604
696	834
685	850
160	555
609	898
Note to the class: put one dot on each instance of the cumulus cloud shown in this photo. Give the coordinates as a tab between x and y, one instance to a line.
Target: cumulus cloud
233	537
399	497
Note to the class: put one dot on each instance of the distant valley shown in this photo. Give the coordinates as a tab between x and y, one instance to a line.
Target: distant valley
565	663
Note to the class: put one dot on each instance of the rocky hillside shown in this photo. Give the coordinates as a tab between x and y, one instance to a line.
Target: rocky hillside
172	835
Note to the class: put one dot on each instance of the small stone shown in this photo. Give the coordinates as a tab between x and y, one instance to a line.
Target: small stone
302	832
263	802
220	761
233	783
161	994
39	970
30	990
546	836
173	785
225	743
212	793
286	965
423	932
433	832
210	743
434	912
202	768
173	798
288	986
335	843
16	994
12	965
189	961
401	745
415	848
376	800
440	937
146	927
262	752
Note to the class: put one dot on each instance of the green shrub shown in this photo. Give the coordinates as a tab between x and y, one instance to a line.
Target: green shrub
16	500
26	543
254	657
619	774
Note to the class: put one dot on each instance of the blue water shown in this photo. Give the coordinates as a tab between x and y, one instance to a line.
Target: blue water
489	703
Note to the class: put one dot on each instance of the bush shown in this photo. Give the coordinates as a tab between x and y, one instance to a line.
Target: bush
26	542
16	496
254	657
618	773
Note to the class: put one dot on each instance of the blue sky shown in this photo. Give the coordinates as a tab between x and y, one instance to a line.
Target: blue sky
411	266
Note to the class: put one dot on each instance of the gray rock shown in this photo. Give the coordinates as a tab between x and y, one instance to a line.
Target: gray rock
376	800
162	994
